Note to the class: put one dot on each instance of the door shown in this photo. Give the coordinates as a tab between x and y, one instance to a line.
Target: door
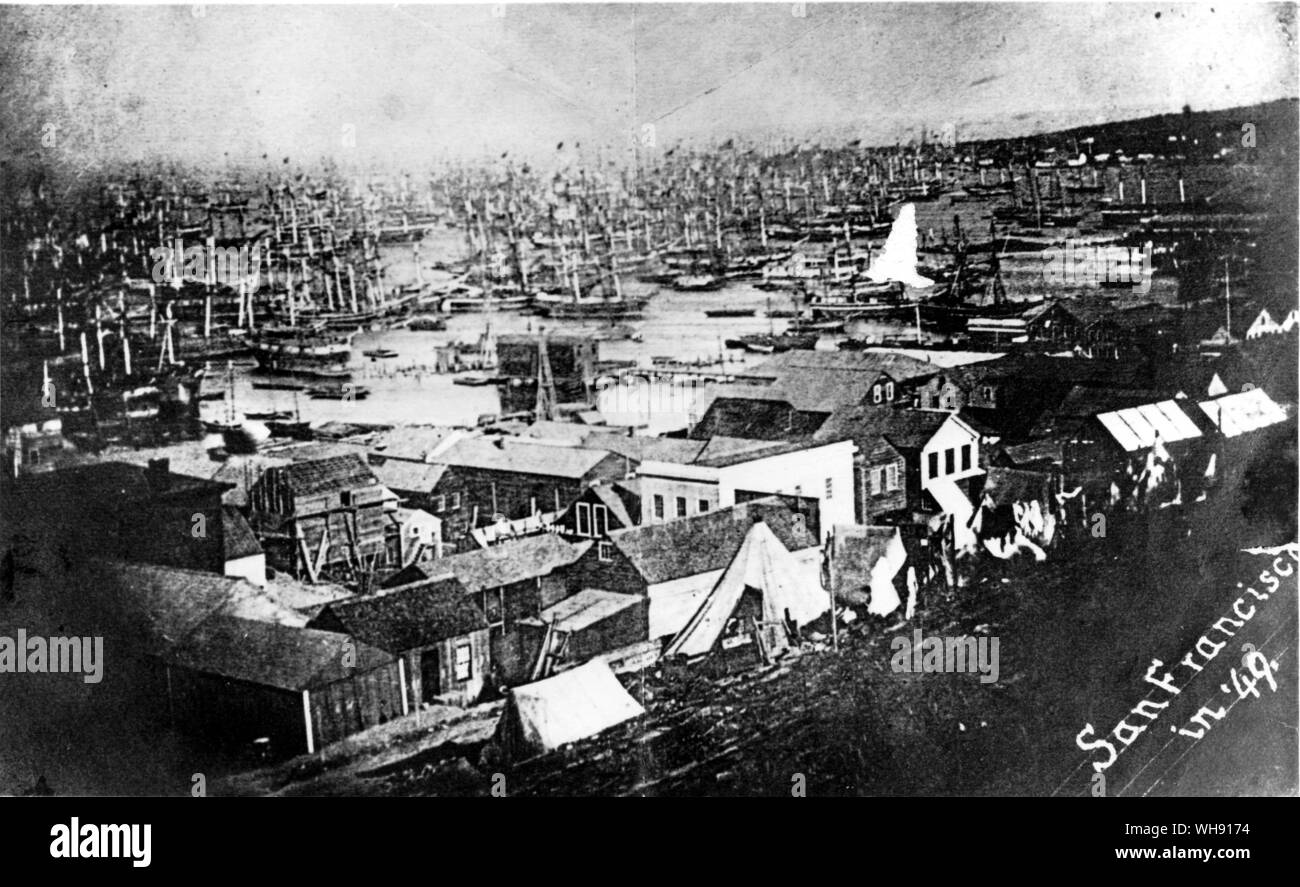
430	675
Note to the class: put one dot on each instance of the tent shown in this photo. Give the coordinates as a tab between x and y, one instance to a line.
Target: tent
763	566
572	705
866	560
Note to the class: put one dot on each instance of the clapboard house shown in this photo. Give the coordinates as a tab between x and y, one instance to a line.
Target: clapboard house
504	479
440	635
807	387
327	518
242	680
508	582
601	509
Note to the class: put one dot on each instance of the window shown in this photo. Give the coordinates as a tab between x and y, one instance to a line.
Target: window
681	506
453	501
877	482
599	520
934	465
875	393
798	522
965	457
605	551
988	393
494	607
439	504
889	391
345	498
704	505
583	519
463	668
659	506
949	461
830	489
891	475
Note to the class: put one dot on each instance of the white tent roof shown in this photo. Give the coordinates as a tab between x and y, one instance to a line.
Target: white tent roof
570	706
1247	411
761	563
1138	428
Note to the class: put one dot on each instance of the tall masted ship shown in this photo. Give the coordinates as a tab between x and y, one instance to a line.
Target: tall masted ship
308	351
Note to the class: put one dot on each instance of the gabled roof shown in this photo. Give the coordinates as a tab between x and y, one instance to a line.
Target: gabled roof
113	483
348	472
504	564
237	535
1138	428
586	608
762	564
523	457
401	475
280	656
572	705
1237	414
406	618
693	545
820	381
1006	486
904	429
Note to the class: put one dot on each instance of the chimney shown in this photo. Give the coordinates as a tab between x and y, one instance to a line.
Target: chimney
158	475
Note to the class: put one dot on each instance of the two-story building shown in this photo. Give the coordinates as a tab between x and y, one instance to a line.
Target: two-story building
486	481
723	475
327	518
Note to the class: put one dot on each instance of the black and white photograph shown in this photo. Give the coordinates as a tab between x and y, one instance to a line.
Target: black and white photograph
789	400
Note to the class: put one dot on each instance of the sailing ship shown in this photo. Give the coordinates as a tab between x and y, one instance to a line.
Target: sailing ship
313	350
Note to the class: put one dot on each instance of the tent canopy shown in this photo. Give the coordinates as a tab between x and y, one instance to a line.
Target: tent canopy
572	705
763	564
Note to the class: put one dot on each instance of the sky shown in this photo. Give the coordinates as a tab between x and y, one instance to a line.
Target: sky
405	82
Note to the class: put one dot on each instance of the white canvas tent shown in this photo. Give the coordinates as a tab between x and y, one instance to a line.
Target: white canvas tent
572	705
763	564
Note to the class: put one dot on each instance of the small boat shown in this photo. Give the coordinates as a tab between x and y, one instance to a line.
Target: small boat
426	323
472	380
730	312
375	353
272	416
279	386
760	347
212	395
339	392
295	429
698	282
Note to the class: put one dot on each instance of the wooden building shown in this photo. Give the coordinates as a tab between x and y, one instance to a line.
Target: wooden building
241	680
441	636
572	361
507	583
327	518
505	479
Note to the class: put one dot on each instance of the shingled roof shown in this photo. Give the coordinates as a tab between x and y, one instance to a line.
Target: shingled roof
280	656
504	564
699	544
523	457
405	618
327	475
